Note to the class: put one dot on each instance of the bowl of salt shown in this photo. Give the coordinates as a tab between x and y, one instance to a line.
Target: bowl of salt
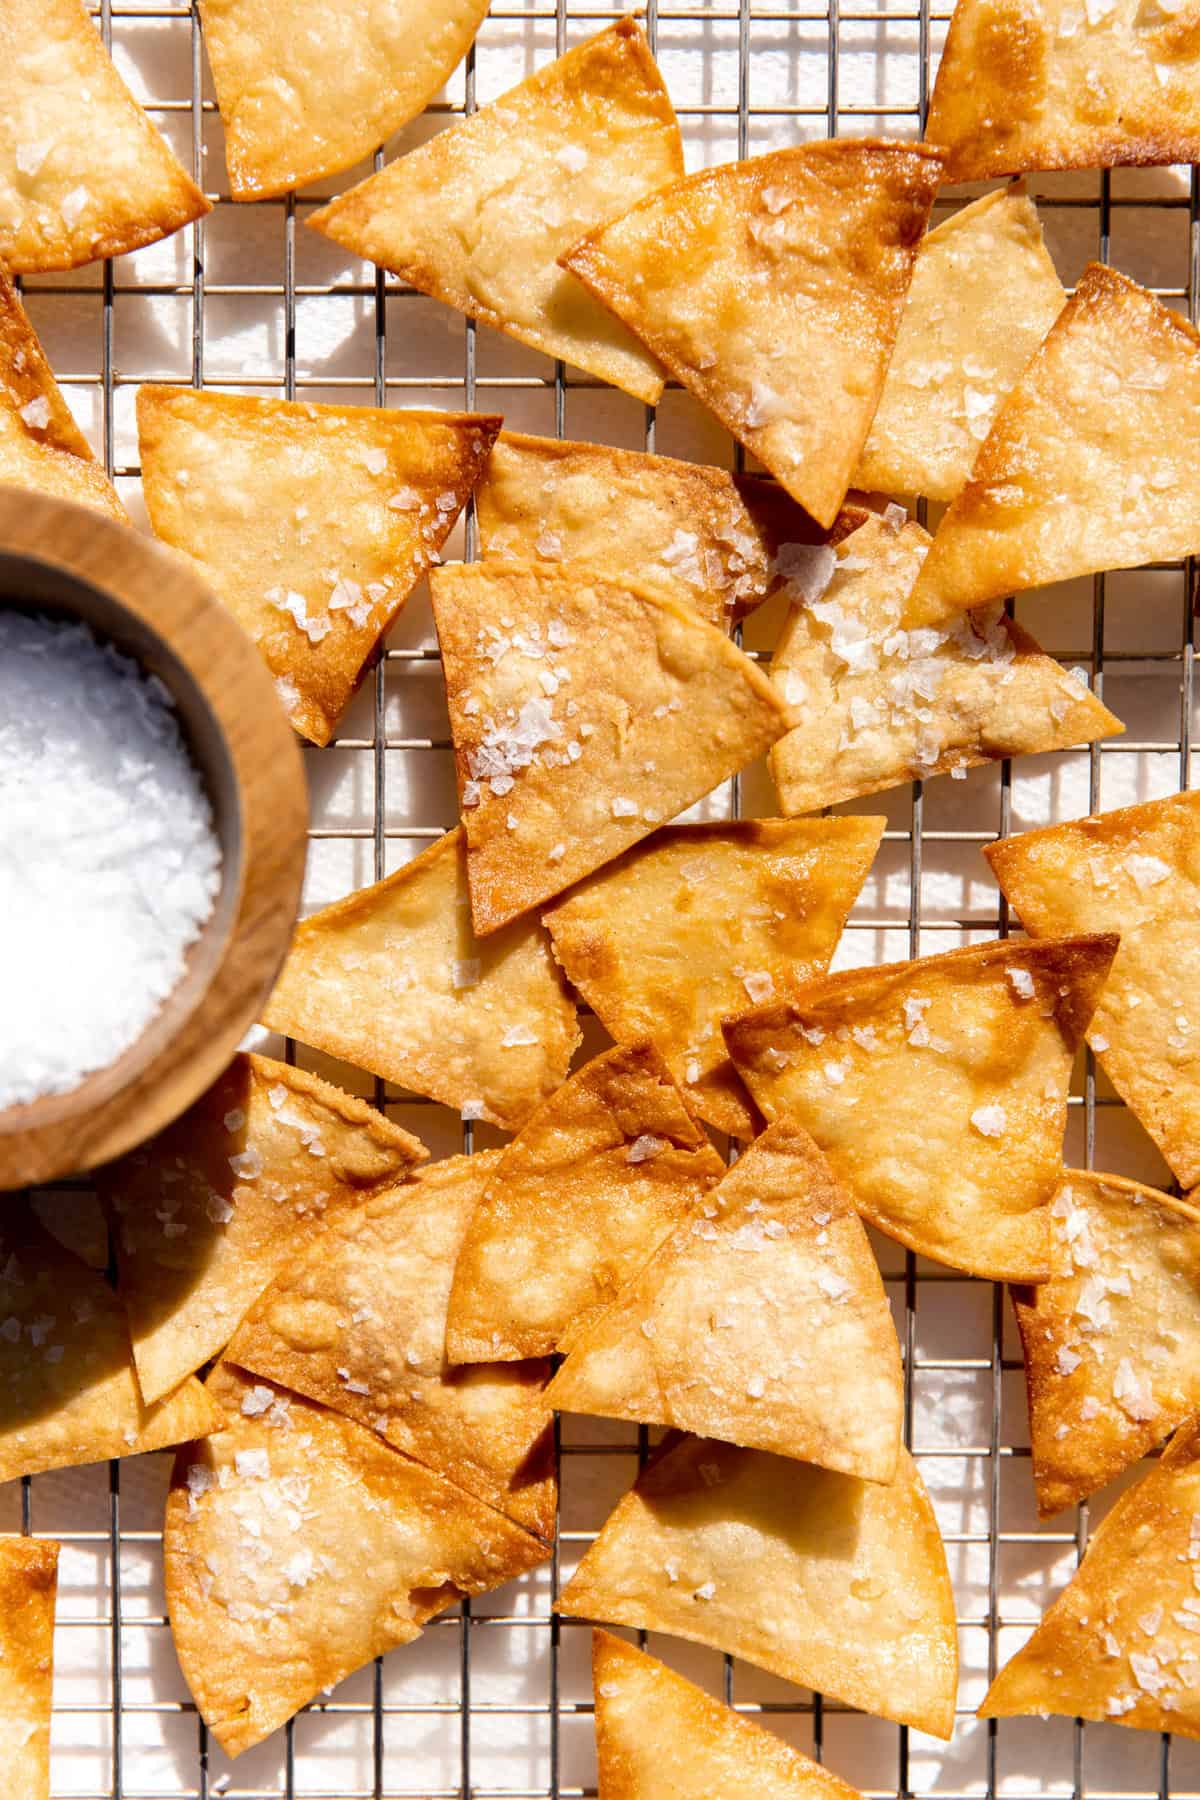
153	813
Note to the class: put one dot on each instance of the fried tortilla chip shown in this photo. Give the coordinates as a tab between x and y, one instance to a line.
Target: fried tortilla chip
584	712
761	1321
687	927
883	700
313	523
75	1219
1090	462
773	289
1060	85
306	91
209	1211
358	1322
391	978
1135	871
1112	1342
831	1582
1119	1643
983	296
660	1738
938	1091
601	1174
297	1546
479	215
83	172
68	1391
28	1587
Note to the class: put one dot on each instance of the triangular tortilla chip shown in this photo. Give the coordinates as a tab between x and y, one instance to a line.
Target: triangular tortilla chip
773	290
687	927
358	1322
1089	463
938	1091
391	978
833	1583
883	700
28	1587
1136	872
76	1220
584	711
313	523
983	296
1120	1641
594	1183
305	91
297	1546
660	1738
1112	1342
210	1210
83	172
478	216
761	1321
68	1391
1064	85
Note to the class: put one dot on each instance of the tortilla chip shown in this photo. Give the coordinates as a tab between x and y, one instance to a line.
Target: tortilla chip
1119	1643
938	1091
761	1321
711	537
1135	871
883	701
83	172
28	1587
1058	86
1112	1342
658	709
68	1391
773	290
305	92
391	978
298	1546
660	1738
1089	461
209	1211
602	1173
358	1322
685	928
313	523
76	1220
983	296
478	216
833	1583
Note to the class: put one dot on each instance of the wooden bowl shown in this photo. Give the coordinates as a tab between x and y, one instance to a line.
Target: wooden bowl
63	559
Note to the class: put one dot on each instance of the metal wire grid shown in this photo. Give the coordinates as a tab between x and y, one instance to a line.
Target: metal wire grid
987	1452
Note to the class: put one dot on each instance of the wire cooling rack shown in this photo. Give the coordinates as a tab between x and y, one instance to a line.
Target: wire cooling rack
495	1699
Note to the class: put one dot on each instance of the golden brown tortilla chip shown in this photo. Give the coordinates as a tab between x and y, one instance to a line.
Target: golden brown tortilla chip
298	1546
83	172
833	1583
76	1220
392	978
1089	463
882	700
584	712
313	523
773	289
358	1322
1120	1642
479	215
938	1091
596	1180
305	91
1135	871
983	296
761	1321
209	1211
28	1587
660	1738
